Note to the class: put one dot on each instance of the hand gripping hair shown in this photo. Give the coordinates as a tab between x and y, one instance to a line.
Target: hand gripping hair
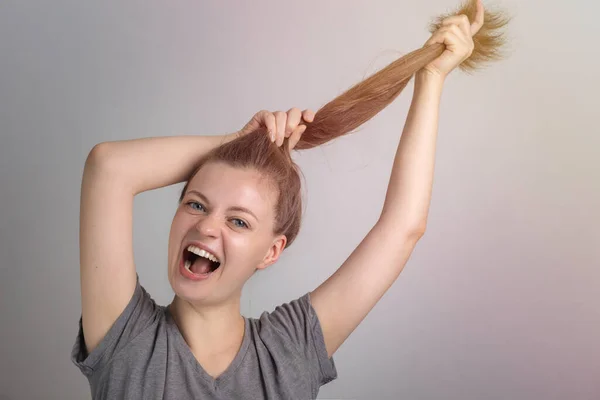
347	112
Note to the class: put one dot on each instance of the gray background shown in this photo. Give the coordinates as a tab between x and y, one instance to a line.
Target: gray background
500	299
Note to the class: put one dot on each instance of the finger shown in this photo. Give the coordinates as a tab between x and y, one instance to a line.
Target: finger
294	115
457	31
454	29
435	38
280	119
448	38
461	20
296	136
438	36
308	115
479	18
268	120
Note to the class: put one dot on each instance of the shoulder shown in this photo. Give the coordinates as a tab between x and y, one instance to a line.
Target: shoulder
292	331
137	326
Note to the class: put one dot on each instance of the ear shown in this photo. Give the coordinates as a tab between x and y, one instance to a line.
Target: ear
274	252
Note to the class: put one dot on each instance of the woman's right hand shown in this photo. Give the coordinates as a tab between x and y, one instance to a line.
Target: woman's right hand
280	125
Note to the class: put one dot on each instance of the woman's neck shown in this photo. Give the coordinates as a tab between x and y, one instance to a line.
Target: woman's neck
209	330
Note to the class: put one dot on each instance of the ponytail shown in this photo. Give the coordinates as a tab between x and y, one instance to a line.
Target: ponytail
366	99
342	115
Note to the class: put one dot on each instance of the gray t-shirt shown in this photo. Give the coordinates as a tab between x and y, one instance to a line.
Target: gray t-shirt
144	356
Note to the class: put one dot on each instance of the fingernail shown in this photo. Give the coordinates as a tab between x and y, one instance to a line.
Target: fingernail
271	136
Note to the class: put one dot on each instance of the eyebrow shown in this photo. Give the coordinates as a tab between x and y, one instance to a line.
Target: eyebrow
233	208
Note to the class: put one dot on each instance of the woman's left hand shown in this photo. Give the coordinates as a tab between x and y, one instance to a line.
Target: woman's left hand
457	34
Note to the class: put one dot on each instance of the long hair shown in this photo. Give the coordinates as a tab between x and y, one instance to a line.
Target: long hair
346	113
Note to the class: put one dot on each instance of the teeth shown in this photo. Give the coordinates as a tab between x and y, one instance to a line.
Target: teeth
187	266
202	253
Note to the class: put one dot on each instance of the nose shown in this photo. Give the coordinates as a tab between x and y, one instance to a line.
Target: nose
208	225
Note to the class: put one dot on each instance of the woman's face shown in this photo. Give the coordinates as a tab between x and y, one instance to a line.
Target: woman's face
230	211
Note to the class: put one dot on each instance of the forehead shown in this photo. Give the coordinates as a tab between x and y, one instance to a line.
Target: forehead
229	186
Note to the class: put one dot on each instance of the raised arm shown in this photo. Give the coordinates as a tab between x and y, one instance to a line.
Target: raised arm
114	173
346	297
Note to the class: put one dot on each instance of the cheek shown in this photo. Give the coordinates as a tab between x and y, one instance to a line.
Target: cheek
179	229
182	223
248	249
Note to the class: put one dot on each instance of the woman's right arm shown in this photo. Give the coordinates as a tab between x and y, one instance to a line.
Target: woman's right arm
114	173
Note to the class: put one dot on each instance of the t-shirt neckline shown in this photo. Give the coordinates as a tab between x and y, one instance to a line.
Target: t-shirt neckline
189	355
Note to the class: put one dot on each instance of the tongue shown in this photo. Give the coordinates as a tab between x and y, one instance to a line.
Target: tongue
201	266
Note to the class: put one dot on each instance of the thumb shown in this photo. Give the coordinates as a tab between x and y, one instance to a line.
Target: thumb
255	122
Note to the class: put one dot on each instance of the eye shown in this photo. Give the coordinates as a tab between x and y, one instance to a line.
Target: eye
239	223
191	204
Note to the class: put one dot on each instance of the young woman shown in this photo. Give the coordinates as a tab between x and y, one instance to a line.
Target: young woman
240	208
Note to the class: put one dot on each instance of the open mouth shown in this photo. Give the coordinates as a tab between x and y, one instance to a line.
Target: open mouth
199	262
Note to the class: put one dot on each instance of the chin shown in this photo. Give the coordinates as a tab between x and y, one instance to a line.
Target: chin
190	290
187	290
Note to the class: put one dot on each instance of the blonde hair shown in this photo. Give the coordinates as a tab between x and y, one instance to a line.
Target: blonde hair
347	112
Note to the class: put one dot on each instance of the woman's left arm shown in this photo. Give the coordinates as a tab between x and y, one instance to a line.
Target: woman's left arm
408	195
347	296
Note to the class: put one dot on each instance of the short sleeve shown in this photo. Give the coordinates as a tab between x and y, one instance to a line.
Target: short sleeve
298	321
140	313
